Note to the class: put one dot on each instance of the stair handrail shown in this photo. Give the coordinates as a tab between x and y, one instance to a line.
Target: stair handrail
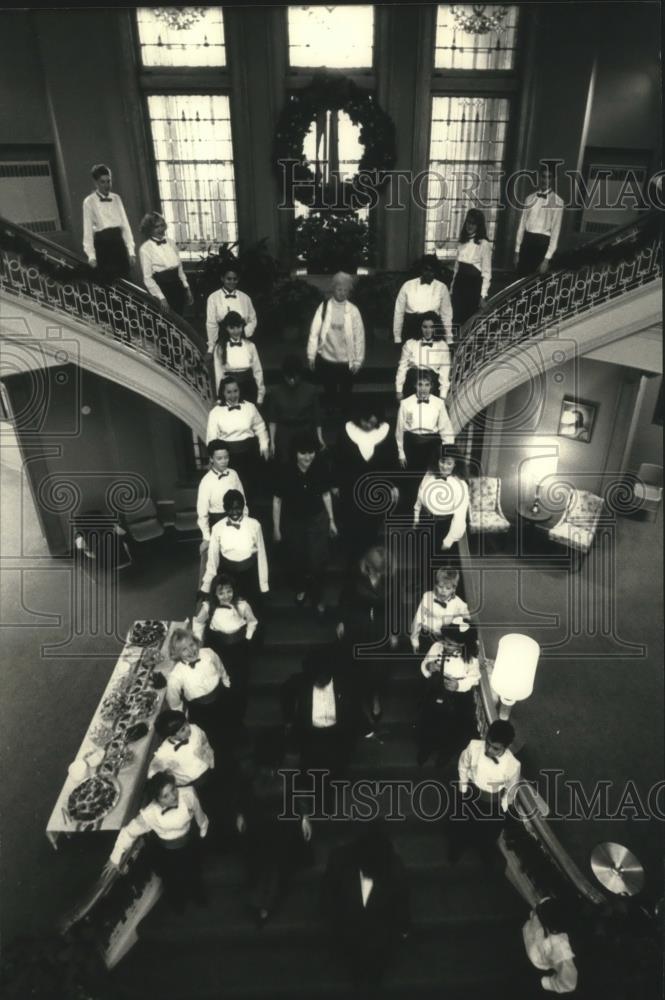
34	268
618	262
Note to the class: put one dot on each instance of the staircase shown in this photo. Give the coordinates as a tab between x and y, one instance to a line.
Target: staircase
466	936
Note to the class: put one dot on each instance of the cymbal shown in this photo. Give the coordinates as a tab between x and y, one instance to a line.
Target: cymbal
617	869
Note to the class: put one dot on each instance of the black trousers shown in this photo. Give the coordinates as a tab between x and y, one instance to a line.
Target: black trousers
111	254
532	253
478	824
235	657
245	458
211	716
172	289
305	553
337	383
445	728
179	869
246	577
466	293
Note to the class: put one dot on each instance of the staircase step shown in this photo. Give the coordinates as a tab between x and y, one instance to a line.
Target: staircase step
440	964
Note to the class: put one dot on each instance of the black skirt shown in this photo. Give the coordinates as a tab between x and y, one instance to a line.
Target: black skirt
466	293
172	288
111	254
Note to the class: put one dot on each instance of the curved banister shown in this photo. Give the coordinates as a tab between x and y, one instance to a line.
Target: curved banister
626	259
37	270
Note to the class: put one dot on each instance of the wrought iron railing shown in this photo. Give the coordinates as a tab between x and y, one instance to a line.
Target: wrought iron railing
34	269
597	273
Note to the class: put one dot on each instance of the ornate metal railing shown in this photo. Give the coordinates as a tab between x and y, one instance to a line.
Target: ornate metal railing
597	273
34	269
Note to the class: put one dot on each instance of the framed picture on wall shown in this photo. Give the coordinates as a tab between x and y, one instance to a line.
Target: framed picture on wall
577	419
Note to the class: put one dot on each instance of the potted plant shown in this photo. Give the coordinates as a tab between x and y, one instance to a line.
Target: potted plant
293	302
327	242
259	270
375	295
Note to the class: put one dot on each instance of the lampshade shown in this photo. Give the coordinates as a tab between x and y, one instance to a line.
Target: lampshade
515	667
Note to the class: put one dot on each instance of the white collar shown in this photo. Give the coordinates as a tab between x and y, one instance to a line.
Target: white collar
367	441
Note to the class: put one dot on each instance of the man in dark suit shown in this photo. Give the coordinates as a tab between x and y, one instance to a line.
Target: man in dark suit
322	713
366	899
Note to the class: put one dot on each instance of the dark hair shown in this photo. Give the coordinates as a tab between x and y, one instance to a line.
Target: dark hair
304	442
366	408
232	497
222	580
468	639
99	170
448	451
424	375
432	317
155	786
149	222
474	215
229	264
232	319
169	722
373	851
227	380
317	663
553	915
292	365
216	445
429	262
501	731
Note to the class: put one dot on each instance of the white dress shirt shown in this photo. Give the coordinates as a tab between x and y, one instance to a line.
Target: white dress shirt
456	668
443	497
240	357
228	620
432	616
366	886
186	761
542	216
222	302
479	255
324	710
236	544
169	824
185	683
416	297
231	424
490	776
156	257
550	951
210	499
348	347
423	417
432	354
101	214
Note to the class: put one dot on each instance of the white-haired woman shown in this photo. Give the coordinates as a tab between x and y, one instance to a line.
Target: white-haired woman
163	273
336	345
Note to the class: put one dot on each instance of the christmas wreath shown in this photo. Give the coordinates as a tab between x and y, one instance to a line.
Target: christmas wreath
377	135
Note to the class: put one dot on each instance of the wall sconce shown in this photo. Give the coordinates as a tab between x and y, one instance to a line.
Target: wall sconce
514	670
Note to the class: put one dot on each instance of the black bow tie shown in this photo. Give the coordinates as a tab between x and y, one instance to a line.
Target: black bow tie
427	343
422	401
168	809
193	664
226	607
104	199
456	656
236	407
235	343
180	743
490	757
220	475
443	604
233	524
160	243
230	295
441	477
542	194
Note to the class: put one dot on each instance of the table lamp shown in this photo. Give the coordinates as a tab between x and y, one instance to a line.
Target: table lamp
514	670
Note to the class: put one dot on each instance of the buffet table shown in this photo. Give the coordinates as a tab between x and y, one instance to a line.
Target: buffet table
105	779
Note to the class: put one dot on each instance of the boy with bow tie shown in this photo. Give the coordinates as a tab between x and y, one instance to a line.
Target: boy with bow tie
540	225
184	750
214	486
422	425
437	609
107	238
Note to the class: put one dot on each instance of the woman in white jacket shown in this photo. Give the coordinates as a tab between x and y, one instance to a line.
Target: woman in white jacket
336	345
